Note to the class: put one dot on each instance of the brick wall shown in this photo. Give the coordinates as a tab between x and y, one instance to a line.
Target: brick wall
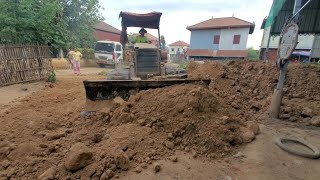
272	54
103	35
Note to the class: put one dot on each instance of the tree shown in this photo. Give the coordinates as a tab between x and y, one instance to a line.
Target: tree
60	23
81	16
253	54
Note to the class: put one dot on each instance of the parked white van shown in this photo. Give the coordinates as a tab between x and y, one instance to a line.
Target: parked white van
108	53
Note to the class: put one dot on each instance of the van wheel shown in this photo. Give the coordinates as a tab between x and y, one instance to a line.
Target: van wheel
102	65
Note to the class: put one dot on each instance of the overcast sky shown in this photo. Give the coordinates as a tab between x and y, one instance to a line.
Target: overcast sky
178	14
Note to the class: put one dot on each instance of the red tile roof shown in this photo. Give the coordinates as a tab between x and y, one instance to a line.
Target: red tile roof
179	43
106	27
217	53
221	23
151	37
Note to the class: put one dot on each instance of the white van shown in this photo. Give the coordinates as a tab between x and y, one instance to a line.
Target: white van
108	53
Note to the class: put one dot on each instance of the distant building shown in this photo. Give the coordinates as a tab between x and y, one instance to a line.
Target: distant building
308	47
219	38
178	49
104	31
304	45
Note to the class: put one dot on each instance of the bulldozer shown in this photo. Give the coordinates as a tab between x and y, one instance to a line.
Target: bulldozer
142	68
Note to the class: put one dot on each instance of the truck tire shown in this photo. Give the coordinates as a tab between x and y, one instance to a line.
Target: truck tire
102	65
314	155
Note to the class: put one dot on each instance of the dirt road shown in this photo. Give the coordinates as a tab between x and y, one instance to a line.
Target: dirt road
37	131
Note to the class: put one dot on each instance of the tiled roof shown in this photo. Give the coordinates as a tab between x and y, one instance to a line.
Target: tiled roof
179	43
217	53
221	23
106	27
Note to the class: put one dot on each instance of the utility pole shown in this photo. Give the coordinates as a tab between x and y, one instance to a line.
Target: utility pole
278	92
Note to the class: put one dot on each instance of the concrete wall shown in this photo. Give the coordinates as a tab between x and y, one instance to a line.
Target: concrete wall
316	47
203	39
226	39
305	41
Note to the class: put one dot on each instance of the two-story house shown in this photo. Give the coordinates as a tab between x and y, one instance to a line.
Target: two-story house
177	49
219	38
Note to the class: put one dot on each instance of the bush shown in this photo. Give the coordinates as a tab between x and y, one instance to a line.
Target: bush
184	65
87	53
51	76
253	54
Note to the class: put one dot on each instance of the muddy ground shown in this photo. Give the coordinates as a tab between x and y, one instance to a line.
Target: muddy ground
192	131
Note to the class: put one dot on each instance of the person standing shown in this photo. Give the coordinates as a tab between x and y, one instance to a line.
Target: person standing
70	57
76	61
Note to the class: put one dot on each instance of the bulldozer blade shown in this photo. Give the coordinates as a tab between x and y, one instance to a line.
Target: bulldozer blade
109	89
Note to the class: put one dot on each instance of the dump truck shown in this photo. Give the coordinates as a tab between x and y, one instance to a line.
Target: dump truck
143	65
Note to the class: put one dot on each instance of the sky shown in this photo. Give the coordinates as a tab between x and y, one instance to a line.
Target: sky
178	14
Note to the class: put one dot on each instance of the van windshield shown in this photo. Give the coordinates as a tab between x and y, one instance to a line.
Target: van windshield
104	47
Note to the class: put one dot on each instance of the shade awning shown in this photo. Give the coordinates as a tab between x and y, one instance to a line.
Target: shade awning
148	20
301	53
309	18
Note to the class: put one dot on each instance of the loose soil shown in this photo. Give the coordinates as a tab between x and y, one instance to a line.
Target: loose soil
208	123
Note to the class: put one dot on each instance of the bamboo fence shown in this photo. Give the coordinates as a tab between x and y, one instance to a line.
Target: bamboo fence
24	63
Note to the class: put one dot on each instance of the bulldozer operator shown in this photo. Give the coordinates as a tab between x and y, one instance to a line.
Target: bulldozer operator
141	38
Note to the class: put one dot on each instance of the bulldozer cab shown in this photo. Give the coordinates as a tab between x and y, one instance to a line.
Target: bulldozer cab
149	20
142	59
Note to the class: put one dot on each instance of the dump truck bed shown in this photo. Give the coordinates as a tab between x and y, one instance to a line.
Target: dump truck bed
109	89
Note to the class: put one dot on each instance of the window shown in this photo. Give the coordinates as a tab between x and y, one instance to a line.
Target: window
118	47
102	47
216	39
236	39
178	49
172	49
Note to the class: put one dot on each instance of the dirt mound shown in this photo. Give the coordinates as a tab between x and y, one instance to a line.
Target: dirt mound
302	94
38	136
246	86
249	85
151	126
184	117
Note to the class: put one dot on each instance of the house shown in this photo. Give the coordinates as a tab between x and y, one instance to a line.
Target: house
104	31
177	49
309	30
304	45
219	38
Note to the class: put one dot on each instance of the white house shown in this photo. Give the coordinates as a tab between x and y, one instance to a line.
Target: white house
219	38
177	49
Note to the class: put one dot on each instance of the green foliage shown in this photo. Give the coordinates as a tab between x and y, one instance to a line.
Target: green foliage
52	77
131	37
253	54
184	65
60	23
87	53
103	72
